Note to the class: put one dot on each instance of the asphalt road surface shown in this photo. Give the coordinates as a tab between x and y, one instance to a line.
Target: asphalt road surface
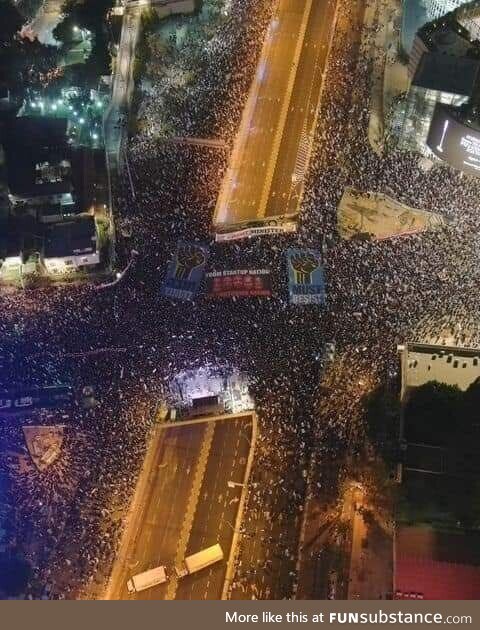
188	506
122	89
217	507
269	542
287	184
272	149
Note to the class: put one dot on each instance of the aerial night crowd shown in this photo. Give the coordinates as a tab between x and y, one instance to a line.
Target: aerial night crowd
128	341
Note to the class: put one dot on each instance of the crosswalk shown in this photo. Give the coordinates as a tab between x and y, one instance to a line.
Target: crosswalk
301	163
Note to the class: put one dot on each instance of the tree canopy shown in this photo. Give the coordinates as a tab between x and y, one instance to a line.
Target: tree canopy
23	63
432	413
87	15
11	21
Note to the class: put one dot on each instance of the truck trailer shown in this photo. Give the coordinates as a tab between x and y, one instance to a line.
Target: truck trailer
147	579
200	560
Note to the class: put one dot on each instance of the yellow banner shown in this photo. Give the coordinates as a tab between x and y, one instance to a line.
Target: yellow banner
377	216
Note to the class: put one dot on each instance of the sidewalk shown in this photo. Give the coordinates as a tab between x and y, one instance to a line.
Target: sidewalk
371	562
389	75
134	513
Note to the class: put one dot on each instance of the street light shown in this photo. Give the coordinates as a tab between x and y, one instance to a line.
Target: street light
240	531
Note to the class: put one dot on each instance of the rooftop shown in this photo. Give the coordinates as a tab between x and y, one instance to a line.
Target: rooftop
71	238
452	365
437	565
447	36
447	73
37	156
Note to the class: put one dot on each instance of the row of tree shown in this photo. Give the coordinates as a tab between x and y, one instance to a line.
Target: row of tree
443	415
87	16
24	63
27	64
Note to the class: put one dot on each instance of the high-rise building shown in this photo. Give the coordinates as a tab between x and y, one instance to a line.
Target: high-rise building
438	115
416	13
437	8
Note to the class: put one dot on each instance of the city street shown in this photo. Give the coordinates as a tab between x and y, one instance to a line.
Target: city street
193	462
122	87
371	560
271	525
300	495
272	149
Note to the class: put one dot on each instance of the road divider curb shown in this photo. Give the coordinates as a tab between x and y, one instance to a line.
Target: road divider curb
241	506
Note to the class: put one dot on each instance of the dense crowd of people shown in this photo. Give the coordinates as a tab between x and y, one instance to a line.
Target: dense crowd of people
128	341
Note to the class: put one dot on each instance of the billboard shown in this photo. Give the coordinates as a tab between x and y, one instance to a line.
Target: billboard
378	216
239	283
44	444
185	272
453	141
21	400
286	227
306	281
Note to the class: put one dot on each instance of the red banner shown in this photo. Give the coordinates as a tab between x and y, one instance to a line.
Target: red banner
241	283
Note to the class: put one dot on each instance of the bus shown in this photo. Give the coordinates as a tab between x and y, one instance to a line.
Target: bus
147	579
200	560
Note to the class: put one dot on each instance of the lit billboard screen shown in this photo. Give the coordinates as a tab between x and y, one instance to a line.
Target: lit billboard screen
454	142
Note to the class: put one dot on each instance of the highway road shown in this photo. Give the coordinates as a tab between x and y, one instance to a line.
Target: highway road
325	551
187	506
286	189
217	506
266	564
272	149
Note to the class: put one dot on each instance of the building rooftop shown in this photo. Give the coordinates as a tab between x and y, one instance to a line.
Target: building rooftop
37	131
37	156
437	565
446	73
422	363
448	36
71	238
